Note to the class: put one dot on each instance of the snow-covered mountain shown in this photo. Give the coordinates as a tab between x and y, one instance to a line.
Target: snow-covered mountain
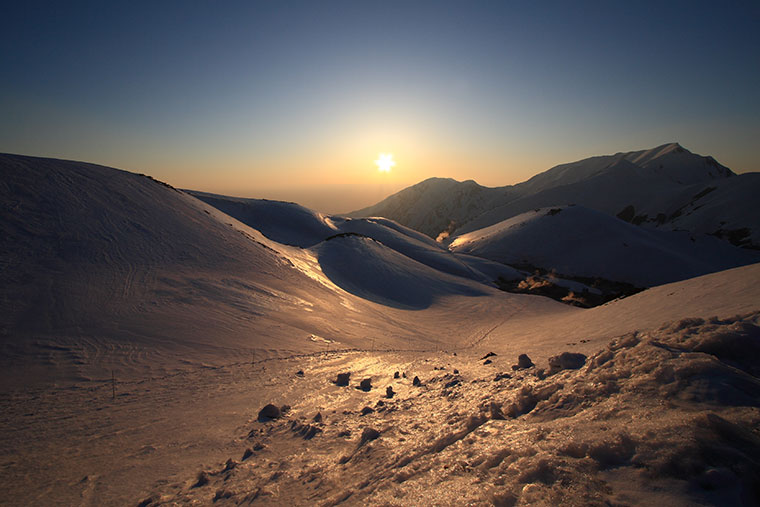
203	320
438	204
660	187
577	241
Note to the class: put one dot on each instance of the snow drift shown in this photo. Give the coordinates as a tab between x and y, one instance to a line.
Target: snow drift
574	240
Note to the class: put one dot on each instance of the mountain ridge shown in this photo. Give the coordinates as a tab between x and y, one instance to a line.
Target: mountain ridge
653	181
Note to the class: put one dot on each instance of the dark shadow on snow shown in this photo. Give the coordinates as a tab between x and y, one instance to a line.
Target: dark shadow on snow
368	269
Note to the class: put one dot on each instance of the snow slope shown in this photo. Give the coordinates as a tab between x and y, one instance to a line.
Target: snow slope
574	240
364	267
292	224
284	222
664	411
108	271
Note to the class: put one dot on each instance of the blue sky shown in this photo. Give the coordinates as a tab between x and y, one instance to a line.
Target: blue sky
290	99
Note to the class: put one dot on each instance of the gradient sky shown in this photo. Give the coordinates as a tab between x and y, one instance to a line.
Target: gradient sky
294	100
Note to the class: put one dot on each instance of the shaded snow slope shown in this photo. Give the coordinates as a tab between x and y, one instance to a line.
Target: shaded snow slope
295	225
669	161
104	269
284	222
574	240
724	294
725	208
366	268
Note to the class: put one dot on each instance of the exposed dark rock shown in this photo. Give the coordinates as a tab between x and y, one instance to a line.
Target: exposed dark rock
501	376
151	500
318	417
452	383
258	446
389	392
342	379
627	213
523	362
299	373
566	361
490	354
495	410
456	372
247	454
416	381
307	431
285	409
269	412
222	494
487	361
201	480
380	403
229	465
367	410
396	375
369	434
366	384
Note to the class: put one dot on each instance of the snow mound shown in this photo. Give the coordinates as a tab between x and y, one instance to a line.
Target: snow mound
411	244
295	225
576	241
285	222
367	268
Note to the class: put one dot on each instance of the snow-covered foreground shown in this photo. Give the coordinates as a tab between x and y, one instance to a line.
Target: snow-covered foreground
661	412
666	416
202	321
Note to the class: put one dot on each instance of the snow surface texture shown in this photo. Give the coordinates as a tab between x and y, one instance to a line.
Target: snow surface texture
574	240
668	187
107	271
203	320
667	416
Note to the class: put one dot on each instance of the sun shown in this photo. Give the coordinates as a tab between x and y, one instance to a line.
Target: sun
385	162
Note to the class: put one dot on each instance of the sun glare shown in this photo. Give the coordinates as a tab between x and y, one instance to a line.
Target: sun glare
385	162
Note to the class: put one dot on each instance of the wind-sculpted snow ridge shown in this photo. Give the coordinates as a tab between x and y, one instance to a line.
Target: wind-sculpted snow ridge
285	222
574	240
367	268
667	416
292	224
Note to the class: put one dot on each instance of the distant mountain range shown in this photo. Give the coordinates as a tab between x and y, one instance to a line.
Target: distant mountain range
666	187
